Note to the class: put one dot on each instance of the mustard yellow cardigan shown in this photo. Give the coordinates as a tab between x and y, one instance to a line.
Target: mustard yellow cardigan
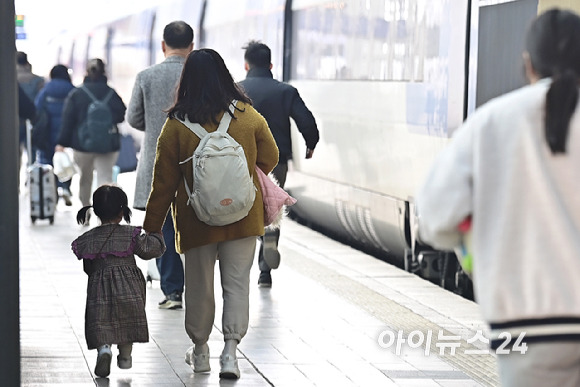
177	143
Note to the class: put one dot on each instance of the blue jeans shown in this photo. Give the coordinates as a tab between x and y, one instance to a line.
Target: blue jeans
279	172
169	264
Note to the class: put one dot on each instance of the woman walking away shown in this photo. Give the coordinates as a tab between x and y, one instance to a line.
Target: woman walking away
513	169
89	126
206	94
115	309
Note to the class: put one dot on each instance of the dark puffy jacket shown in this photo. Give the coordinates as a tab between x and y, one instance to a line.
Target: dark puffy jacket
277	102
52	98
75	110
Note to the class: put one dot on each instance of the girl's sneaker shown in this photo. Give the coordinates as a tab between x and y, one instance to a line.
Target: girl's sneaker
124	363
103	367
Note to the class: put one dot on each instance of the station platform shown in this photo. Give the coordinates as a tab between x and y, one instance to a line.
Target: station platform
333	317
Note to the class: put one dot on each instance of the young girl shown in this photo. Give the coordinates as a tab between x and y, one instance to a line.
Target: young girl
115	309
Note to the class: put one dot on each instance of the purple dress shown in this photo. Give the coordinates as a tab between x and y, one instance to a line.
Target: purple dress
115	308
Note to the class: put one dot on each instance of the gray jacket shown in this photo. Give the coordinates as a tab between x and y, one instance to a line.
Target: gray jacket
153	92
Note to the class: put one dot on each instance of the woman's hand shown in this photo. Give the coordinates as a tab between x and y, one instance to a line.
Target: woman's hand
59	148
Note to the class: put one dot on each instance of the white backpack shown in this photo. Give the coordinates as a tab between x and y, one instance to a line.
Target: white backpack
223	190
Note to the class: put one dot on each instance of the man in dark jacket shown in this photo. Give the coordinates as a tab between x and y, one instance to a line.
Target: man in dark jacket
277	102
26	108
31	85
26	111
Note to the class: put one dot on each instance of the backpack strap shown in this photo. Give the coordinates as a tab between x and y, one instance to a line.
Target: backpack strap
196	128
226	119
201	132
92	96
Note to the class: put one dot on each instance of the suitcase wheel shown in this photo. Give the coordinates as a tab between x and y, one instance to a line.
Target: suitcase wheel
51	219
33	219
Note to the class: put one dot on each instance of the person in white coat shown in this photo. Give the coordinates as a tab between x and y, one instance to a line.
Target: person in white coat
514	168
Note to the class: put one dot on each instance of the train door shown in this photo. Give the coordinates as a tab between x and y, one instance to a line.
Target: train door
499	44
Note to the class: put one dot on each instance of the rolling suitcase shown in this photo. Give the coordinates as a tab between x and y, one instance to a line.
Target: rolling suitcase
42	190
41	187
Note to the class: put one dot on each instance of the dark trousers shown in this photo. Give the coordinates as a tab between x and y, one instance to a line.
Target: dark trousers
169	264
279	172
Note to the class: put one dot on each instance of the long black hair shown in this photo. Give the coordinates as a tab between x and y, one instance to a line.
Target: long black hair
553	44
109	202
206	88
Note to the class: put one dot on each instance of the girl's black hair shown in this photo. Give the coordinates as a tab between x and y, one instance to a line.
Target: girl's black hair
109	202
553	44
206	88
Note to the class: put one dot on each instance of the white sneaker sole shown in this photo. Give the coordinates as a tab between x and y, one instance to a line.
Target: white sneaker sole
171	305
272	258
123	363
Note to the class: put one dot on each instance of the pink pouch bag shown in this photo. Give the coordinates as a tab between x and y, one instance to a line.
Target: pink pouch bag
275	199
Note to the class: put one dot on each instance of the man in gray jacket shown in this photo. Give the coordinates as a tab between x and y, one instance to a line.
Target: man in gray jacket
154	92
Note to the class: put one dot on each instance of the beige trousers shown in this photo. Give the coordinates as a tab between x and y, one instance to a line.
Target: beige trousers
235	259
542	365
87	162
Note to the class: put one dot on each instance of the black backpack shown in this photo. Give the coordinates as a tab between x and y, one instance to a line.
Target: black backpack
98	134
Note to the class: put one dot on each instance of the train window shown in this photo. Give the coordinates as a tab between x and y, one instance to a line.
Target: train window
229	25
98	45
79	58
129	40
363	40
188	11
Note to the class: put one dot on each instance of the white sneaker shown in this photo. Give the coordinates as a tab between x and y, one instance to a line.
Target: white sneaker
103	367
199	362
229	367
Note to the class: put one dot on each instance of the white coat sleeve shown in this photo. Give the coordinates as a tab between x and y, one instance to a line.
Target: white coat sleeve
446	197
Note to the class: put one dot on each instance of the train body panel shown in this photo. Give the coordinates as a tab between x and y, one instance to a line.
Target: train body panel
381	124
367	139
372	220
